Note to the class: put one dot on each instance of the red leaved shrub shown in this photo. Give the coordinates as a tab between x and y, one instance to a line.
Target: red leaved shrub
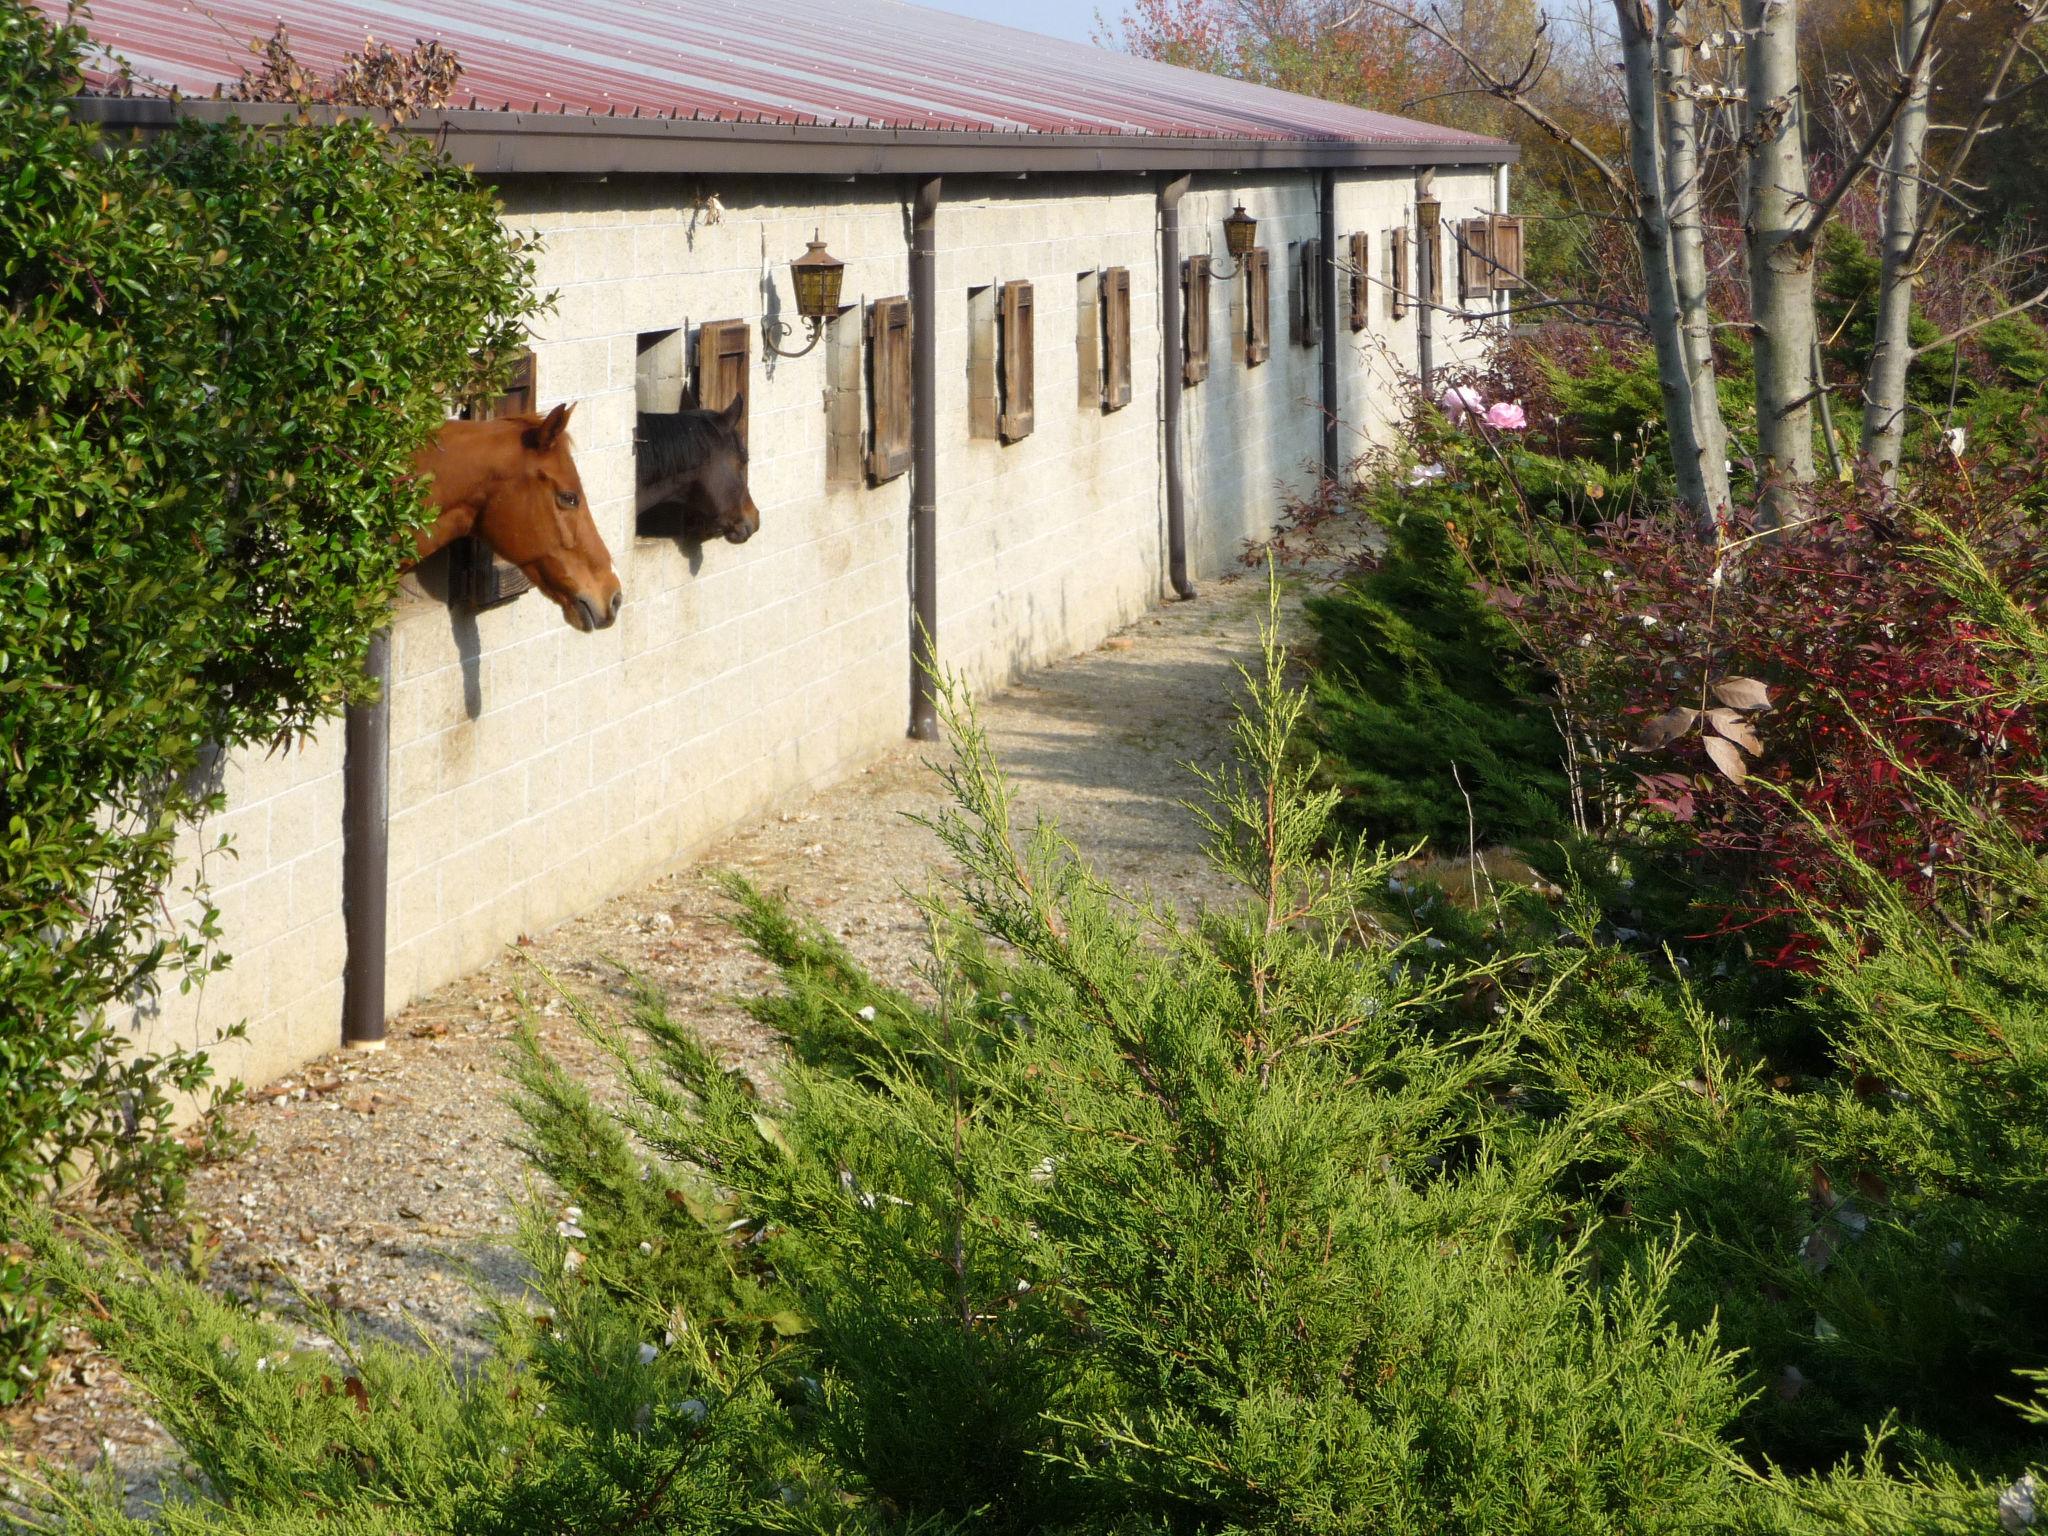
1896	713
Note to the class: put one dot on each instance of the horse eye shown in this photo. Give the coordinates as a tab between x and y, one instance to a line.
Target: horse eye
565	498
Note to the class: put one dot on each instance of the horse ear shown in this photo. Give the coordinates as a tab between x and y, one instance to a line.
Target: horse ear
734	410
541	436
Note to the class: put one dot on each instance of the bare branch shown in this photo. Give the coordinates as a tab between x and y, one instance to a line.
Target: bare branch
1514	92
2031	12
1853	169
1981	321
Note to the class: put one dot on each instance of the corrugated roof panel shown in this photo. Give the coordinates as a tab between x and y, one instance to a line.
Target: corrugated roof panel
849	63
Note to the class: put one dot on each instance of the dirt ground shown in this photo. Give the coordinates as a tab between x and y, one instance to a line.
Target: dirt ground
386	1183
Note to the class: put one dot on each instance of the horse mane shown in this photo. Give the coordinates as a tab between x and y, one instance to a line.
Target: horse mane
674	443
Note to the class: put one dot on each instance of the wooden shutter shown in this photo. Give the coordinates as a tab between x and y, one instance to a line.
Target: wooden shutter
1361	288
1307	312
1194	293
1507	251
889	393
1258	307
724	350
1090	360
1429	263
1020	360
1116	338
477	578
1475	258
1397	272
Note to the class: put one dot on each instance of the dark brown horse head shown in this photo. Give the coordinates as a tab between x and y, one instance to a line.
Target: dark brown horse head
512	482
693	469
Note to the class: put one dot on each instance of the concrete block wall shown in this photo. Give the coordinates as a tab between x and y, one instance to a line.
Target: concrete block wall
1252	435
536	770
1048	543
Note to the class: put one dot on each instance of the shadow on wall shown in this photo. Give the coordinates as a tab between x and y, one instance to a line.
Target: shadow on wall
433	579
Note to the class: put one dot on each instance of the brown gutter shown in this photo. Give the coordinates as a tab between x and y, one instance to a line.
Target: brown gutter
1171	382
366	853
523	143
1326	299
924	462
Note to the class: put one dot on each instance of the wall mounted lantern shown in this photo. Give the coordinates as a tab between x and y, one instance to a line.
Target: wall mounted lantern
816	275
1240	230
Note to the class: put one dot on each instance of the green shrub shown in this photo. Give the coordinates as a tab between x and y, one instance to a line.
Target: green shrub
218	351
1422	688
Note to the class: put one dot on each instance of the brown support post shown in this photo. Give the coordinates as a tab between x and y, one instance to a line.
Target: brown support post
1326	299
924	462
366	853
1171	383
1428	257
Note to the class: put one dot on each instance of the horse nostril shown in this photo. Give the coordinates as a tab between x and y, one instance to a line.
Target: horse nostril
587	611
618	602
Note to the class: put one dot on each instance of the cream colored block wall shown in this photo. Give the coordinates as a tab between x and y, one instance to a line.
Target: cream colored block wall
1248	434
1253	435
1048	543
536	770
277	885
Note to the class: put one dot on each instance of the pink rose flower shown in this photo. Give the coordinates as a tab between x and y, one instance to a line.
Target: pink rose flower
1506	416
1461	402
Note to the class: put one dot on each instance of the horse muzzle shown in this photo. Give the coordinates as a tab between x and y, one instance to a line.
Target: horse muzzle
588	614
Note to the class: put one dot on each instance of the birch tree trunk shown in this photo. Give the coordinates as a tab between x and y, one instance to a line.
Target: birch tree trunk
1653	240
1780	254
1682	201
1884	389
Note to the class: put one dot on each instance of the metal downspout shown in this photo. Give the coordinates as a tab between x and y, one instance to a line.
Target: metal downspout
924	462
1428	213
1172	381
366	852
1326	299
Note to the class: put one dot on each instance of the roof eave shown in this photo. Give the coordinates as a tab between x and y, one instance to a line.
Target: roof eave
511	143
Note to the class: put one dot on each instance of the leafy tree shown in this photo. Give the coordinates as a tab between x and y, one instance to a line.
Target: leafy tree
219	349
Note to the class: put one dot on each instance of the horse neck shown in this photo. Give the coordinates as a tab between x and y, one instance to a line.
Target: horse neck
461	470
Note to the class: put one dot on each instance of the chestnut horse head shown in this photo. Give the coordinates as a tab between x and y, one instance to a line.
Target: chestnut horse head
511	482
693	466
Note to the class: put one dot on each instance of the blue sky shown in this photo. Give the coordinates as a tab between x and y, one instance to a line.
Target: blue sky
1060	18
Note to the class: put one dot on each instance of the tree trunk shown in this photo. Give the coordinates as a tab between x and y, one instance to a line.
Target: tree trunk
1682	202
1884	389
1780	258
1653	241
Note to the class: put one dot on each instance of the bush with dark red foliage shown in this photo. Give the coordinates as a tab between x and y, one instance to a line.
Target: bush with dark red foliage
1896	715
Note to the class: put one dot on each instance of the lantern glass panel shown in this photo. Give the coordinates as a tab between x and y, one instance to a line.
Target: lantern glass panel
817	276
1239	231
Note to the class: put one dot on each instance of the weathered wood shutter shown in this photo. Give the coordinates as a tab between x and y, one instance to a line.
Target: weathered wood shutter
1116	338
889	388
1194	289
724	349
1361	287
1020	360
1306	311
477	578
1258	307
1507	251
1475	258
1397	272
1089	359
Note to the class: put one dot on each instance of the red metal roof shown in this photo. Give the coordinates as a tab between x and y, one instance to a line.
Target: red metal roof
842	63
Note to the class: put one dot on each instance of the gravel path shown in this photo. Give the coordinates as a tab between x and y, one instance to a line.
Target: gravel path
385	1182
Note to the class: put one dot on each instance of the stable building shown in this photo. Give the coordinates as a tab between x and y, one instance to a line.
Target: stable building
1094	318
